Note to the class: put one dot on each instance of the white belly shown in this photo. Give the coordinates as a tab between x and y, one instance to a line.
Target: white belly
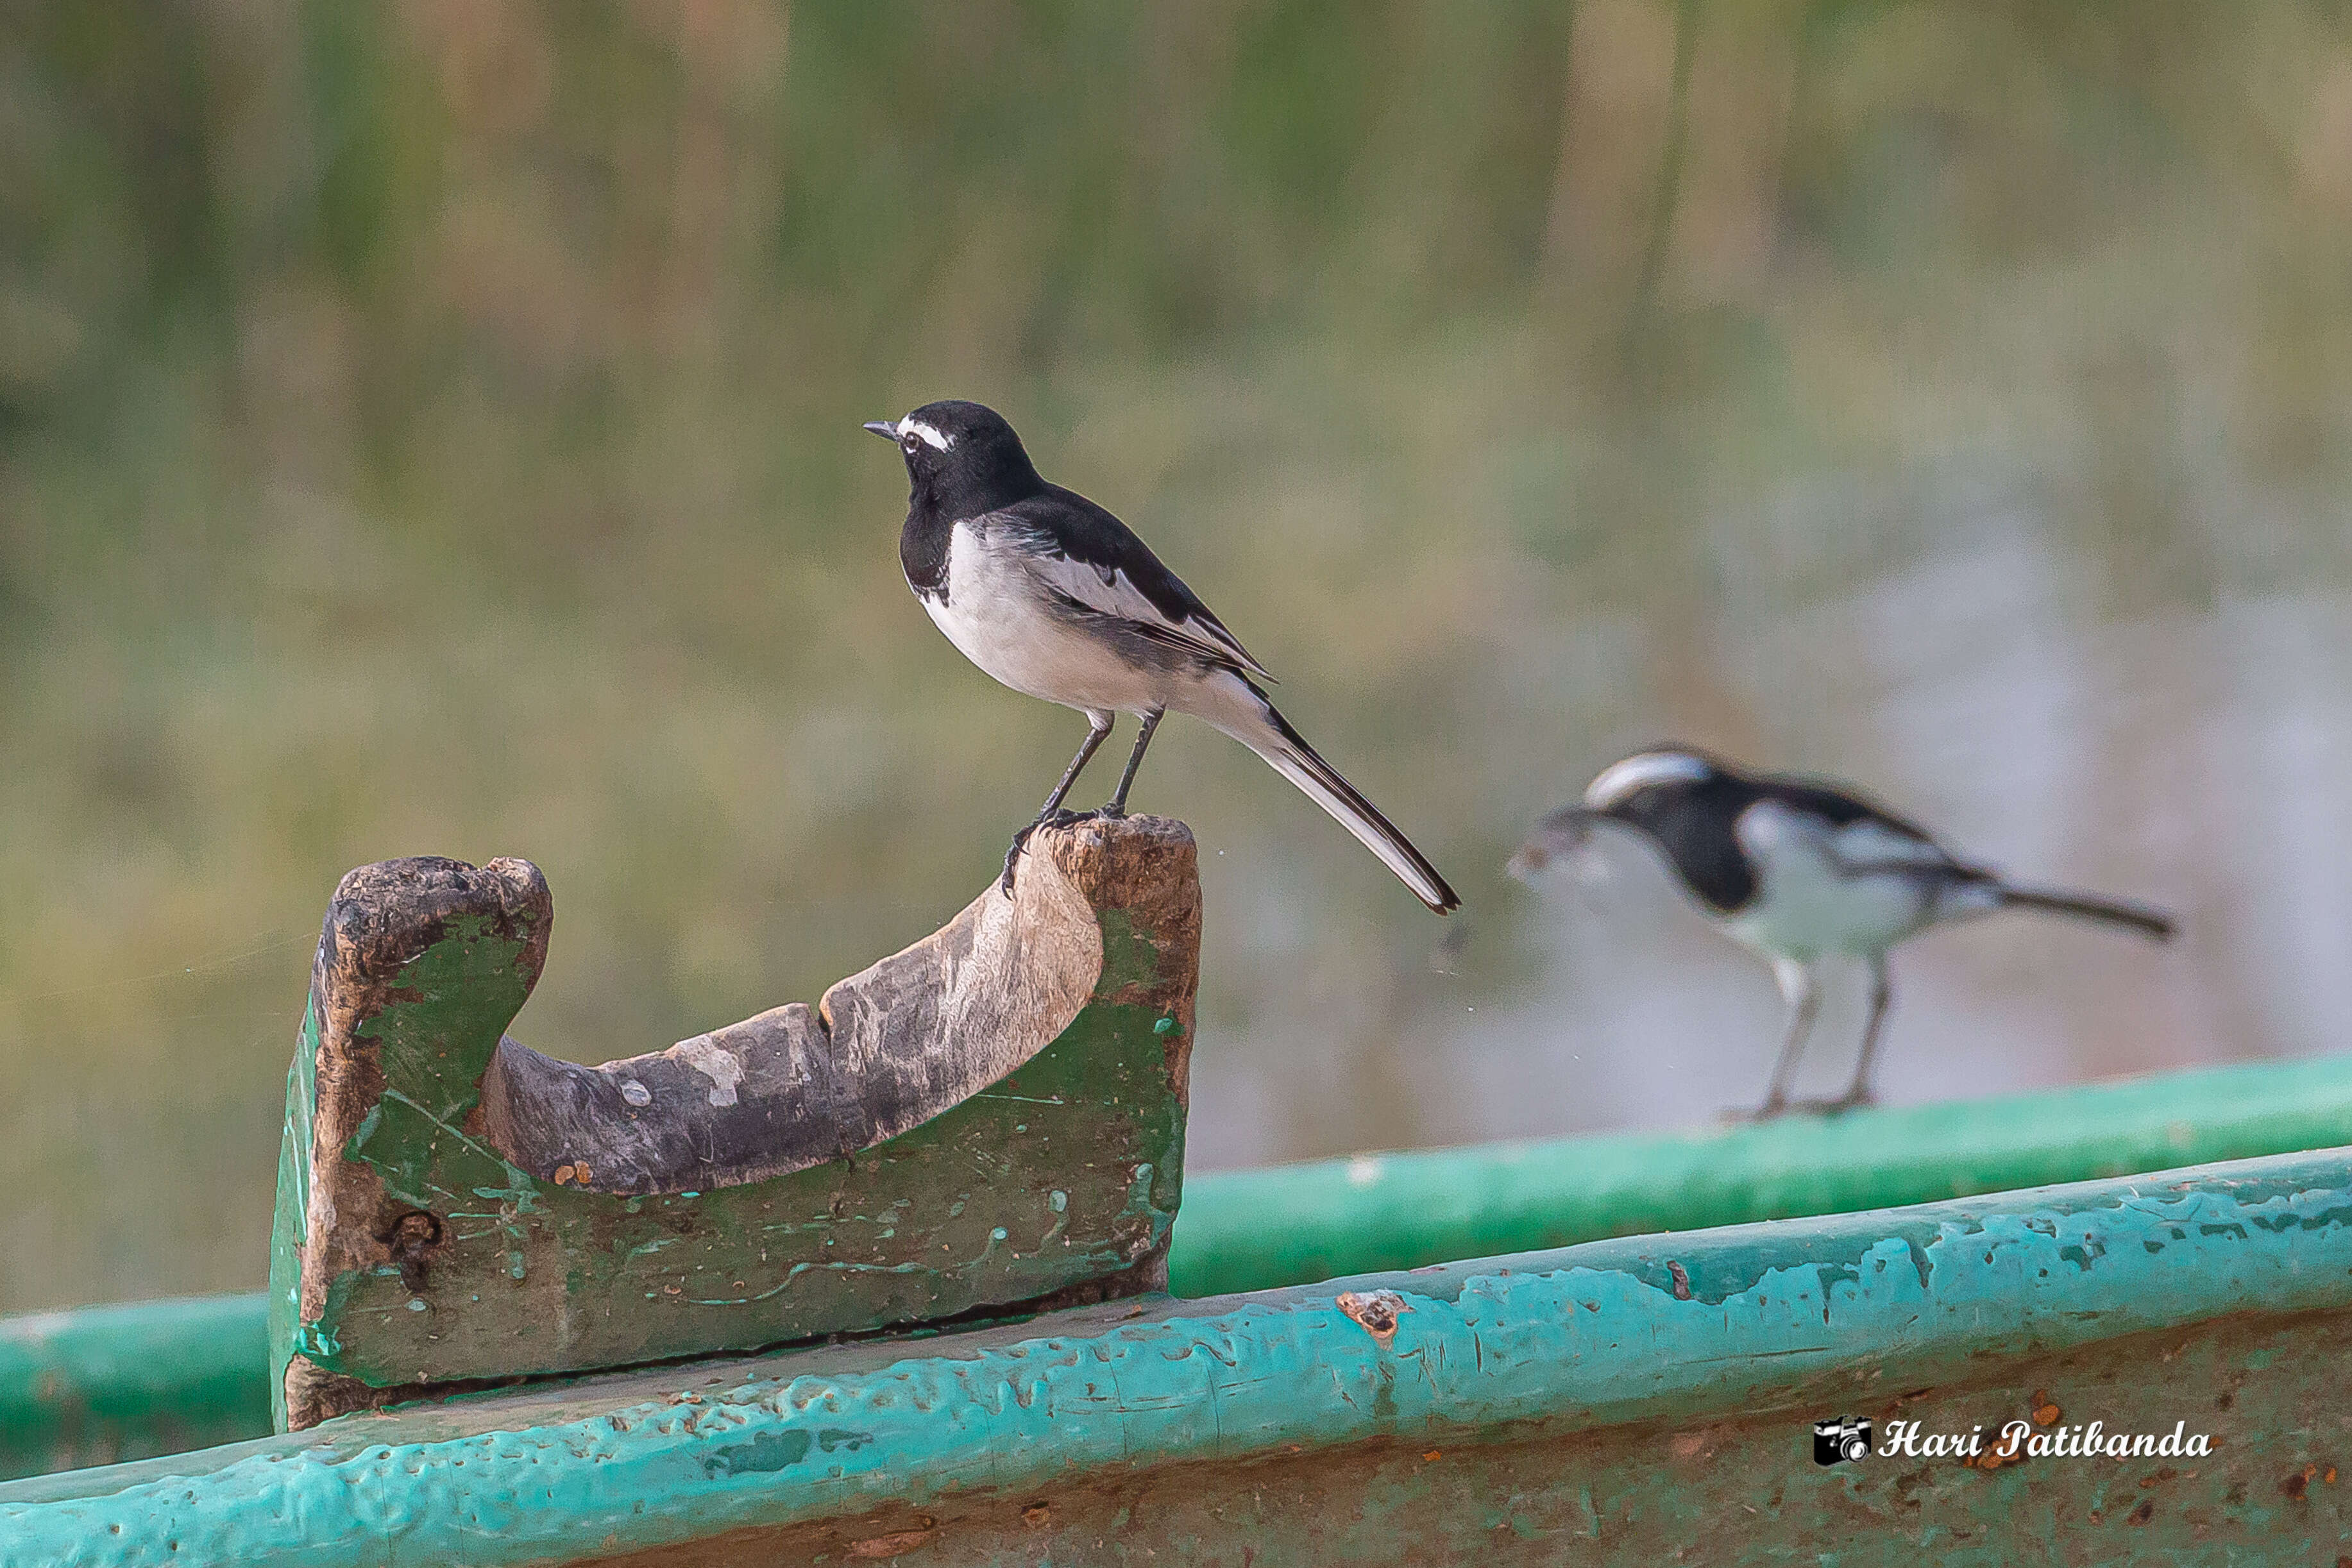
997	616
1810	900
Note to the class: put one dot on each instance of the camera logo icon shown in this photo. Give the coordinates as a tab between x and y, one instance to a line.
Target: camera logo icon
1840	1439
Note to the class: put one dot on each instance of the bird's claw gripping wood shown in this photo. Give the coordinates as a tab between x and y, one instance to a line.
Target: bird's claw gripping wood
1013	855
1059	818
992	1119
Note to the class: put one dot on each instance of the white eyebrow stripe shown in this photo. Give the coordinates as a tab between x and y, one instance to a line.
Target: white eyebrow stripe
910	425
1620	780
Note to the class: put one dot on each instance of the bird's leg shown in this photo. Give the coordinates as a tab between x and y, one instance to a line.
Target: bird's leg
1881	995
1097	731
1118	804
1803	997
1098	728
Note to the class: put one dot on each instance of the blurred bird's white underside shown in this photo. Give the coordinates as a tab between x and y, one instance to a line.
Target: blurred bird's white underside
1856	889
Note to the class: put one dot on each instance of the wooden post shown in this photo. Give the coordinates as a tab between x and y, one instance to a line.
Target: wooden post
992	1120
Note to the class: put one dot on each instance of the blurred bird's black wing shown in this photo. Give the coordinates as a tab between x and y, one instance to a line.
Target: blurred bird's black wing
1864	836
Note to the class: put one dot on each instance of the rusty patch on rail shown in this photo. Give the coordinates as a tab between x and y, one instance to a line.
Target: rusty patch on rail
1375	1312
892	1545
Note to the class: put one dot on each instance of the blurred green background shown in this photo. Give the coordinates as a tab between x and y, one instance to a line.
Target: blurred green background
432	427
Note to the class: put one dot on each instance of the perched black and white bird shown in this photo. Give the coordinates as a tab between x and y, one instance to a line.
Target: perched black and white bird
1055	597
1799	870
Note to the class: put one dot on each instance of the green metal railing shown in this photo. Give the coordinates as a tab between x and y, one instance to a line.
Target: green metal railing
109	1384
1575	1396
120	1383
1287	1225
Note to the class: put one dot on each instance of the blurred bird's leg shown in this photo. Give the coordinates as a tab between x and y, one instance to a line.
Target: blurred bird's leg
1118	804
1882	996
1098	729
1804	999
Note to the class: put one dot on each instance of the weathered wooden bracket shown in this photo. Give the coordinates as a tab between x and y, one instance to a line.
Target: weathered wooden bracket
992	1119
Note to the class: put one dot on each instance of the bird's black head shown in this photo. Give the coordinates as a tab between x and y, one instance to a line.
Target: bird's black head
1635	790
962	459
1653	791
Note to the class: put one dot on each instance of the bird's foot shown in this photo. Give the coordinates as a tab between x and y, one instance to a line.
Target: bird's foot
1771	1110
1849	1101
1013	855
1072	819
1063	818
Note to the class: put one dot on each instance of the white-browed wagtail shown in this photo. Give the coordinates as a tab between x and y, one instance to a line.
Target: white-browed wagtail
1798	870
1054	596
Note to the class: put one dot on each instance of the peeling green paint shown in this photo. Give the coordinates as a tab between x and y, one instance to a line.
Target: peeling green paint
538	1278
293	1204
1250	1229
1798	1316
1129	956
1290	1224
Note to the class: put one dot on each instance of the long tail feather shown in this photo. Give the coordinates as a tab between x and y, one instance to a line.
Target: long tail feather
1260	727
2137	917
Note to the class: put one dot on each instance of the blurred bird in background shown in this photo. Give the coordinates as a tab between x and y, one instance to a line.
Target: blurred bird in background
1055	597
1799	870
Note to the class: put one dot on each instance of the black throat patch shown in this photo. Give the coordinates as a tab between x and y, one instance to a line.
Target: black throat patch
1695	824
923	551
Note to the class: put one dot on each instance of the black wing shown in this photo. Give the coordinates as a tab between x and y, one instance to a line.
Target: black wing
1865	836
1089	557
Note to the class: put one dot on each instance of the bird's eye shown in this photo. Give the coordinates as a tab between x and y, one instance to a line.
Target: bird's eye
909	442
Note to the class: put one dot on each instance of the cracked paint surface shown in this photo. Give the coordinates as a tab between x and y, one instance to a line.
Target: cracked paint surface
1572	1340
1294	1224
1077	1152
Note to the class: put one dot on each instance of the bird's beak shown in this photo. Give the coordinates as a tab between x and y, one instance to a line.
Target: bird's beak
888	429
1564	832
